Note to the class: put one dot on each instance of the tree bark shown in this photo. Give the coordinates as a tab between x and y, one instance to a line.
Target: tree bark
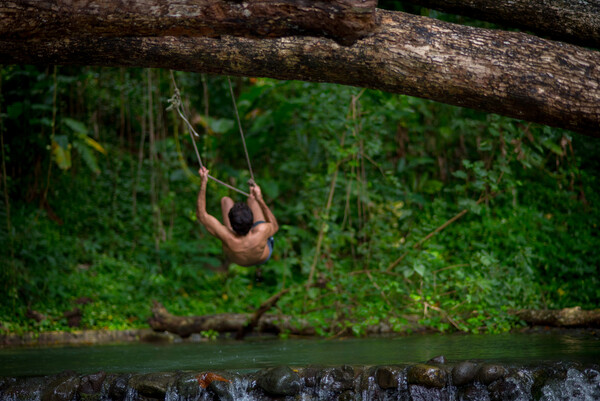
258	314
342	20
571	21
567	317
508	73
184	326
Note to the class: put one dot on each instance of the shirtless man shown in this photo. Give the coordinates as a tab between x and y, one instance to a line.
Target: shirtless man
247	230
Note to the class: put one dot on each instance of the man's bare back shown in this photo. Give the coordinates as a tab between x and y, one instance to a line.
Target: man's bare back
246	232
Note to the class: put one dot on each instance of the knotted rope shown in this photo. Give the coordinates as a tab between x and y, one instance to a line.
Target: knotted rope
175	103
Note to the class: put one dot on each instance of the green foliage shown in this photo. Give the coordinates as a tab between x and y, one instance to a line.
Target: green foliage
101	211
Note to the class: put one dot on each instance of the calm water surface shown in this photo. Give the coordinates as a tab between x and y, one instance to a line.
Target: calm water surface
261	353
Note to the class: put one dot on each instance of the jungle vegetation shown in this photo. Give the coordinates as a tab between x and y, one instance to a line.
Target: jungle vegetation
99	183
394	208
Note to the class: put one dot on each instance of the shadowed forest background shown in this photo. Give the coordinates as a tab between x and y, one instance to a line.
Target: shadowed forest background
396	209
100	182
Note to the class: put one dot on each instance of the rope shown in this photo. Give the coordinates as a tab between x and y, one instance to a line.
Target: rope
175	103
241	132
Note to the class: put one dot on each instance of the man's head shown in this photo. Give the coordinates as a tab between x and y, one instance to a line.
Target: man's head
241	218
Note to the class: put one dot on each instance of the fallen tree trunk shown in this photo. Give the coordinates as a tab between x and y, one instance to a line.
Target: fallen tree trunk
185	326
572	21
508	73
567	317
342	20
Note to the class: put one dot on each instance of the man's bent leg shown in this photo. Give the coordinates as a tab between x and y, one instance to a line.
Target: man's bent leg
226	205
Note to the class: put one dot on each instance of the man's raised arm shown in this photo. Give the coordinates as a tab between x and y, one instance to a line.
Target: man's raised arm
214	226
256	192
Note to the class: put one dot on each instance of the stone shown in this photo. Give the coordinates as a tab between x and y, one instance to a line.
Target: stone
223	390
118	388
504	390
387	377
464	373
92	384
187	388
460	381
6	381
441	359
593	377
157	337
312	375
427	375
592	374
544	375
490	373
365	381
62	388
279	381
153	385
24	389
338	379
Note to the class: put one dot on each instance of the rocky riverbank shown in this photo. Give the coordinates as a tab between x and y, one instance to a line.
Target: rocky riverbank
98	337
433	380
86	337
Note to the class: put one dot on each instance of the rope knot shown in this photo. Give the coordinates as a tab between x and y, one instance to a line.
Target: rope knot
175	100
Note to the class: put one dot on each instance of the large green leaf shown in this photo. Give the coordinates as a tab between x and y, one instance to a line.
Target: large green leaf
77	126
87	154
61	152
220	125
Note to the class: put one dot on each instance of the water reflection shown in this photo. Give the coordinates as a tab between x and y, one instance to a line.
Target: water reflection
261	353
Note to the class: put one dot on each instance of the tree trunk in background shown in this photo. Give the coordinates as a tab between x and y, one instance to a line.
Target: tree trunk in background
567	317
185	326
571	21
508	73
342	20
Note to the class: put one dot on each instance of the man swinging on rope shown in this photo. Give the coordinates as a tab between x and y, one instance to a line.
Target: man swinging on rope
247	230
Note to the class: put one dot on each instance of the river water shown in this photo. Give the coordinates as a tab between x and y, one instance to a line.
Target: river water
257	353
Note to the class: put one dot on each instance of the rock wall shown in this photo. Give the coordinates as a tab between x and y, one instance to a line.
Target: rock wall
434	380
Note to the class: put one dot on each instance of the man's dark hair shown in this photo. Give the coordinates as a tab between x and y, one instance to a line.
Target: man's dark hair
241	218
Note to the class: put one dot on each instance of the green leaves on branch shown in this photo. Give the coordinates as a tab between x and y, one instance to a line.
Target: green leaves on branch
85	145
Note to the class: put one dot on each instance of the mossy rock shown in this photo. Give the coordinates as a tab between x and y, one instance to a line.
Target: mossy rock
427	376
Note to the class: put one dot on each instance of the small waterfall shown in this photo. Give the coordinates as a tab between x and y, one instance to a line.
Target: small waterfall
432	381
24	389
577	386
241	387
131	394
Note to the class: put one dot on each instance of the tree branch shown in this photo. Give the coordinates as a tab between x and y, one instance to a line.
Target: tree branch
571	21
508	73
343	20
567	317
420	243
262	309
162	320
